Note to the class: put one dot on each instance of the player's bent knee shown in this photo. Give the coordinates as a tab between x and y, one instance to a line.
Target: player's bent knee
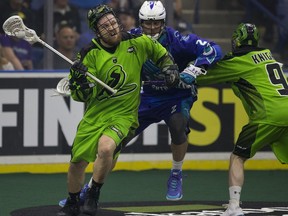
179	139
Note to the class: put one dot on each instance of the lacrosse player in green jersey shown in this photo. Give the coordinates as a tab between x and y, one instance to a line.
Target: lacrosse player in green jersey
258	80
116	58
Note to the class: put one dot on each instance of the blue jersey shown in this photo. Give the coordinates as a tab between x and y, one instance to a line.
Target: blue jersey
157	105
184	49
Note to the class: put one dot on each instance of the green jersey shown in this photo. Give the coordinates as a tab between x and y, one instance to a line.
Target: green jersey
258	80
120	68
114	115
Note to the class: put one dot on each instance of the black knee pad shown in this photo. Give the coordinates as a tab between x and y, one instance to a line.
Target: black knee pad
178	127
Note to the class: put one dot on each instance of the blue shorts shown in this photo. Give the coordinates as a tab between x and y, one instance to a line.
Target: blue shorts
152	110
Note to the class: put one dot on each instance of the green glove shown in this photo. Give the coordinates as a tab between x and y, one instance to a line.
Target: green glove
78	78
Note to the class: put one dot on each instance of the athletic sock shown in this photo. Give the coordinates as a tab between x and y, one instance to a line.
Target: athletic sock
96	186
235	193
177	165
95	183
74	197
94	191
90	183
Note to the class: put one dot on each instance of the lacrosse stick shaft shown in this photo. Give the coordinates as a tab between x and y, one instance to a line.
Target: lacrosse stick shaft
55	51
154	82
71	62
14	26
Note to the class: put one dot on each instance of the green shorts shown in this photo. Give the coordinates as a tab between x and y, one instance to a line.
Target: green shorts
254	137
85	145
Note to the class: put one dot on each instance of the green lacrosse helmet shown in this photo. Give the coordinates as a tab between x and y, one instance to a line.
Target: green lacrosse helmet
245	34
95	14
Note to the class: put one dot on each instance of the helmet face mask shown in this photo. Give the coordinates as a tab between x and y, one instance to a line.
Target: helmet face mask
153	28
152	15
103	22
108	27
246	34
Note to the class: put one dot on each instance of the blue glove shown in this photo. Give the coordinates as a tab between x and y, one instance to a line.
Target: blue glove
191	87
187	78
183	85
190	73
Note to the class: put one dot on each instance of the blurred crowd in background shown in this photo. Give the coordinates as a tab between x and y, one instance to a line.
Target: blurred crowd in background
71	32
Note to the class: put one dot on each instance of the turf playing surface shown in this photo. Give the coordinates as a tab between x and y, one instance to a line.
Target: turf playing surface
22	191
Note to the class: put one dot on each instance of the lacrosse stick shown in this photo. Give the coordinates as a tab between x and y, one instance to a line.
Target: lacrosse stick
62	88
14	26
154	82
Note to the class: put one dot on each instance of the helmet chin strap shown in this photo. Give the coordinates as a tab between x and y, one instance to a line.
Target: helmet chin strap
155	37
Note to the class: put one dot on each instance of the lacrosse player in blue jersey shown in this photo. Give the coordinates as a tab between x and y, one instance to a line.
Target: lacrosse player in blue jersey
193	55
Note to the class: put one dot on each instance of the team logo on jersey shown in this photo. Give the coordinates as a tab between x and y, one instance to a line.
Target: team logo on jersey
116	78
131	49
173	109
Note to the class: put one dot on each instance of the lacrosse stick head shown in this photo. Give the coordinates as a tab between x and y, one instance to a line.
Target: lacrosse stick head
62	88
14	26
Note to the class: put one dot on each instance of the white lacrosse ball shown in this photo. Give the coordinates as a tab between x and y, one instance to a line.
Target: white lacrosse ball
20	34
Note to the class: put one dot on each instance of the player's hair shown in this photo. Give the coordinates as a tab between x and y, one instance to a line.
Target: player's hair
246	34
95	14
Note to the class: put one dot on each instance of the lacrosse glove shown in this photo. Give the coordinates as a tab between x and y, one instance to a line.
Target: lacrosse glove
159	87
171	75
78	78
192	87
190	73
182	84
